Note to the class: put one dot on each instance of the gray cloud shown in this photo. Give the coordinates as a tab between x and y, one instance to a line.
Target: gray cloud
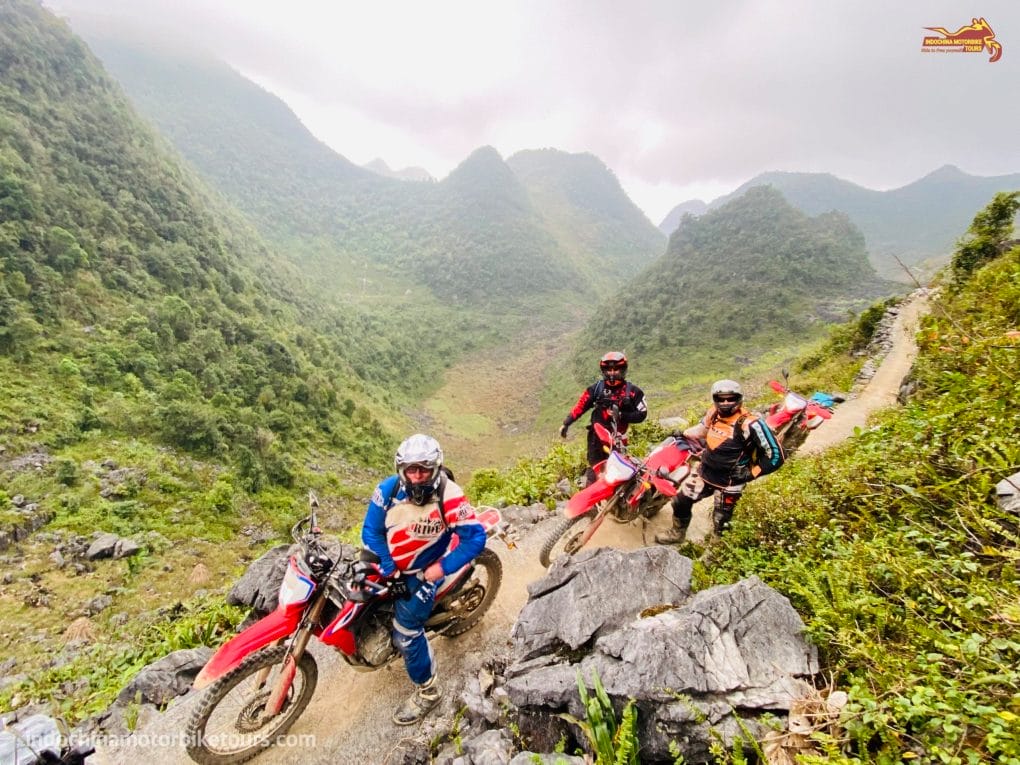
670	94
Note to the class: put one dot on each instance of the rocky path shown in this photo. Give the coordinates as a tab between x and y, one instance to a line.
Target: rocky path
348	720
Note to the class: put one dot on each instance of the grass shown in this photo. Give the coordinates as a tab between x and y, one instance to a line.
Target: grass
891	546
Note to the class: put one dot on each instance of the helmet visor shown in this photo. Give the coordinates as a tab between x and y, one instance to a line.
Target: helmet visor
418	472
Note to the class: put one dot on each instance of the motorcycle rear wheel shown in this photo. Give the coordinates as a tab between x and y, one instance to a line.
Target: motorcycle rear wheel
477	594
565	537
234	696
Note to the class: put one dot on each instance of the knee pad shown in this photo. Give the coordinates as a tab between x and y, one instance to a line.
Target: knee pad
404	637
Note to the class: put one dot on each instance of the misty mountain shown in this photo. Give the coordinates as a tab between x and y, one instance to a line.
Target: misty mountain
595	223
475	237
672	220
751	273
915	223
379	167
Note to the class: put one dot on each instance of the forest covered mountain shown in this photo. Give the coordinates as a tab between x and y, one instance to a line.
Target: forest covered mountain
746	275
916	223
380	167
526	235
672	220
133	302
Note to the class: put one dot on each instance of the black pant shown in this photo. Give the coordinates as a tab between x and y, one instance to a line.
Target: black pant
722	512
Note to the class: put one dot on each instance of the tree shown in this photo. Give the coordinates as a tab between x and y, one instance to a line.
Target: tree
988	234
63	251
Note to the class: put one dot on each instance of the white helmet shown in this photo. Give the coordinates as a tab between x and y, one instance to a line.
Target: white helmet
424	451
727	395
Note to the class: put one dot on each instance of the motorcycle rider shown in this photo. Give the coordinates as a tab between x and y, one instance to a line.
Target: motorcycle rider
739	447
411	523
608	398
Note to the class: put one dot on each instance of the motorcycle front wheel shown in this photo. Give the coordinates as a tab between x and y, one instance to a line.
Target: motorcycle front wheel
228	727
794	435
565	537
473	599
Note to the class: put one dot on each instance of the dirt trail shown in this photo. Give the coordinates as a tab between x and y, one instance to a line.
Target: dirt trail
348	720
881	390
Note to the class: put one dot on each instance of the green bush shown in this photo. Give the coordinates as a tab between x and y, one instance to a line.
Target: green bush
894	550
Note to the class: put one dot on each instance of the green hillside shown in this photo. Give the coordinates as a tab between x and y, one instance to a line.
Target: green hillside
603	234
917	223
473	238
750	275
138	302
894	547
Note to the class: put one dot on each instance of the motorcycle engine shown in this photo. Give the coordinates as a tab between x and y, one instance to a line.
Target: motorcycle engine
373	638
625	512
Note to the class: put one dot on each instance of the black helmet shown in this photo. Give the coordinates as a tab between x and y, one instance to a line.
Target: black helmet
614	368
423	451
727	395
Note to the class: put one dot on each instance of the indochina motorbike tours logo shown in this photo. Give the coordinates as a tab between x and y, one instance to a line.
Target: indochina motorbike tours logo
974	38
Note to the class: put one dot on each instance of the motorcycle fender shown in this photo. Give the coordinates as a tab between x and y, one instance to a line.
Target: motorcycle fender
587	498
280	623
664	487
668	456
779	419
490	519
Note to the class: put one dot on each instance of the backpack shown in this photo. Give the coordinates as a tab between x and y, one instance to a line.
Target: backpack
770	458
758	464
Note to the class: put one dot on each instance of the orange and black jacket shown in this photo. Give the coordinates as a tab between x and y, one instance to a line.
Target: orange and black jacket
600	398
739	448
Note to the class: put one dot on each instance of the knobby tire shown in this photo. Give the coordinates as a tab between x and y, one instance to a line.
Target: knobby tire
493	567
198	746
562	527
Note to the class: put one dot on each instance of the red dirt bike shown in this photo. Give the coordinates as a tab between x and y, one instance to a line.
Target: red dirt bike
626	488
795	416
260	681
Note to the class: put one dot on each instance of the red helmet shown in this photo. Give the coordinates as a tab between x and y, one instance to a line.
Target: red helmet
614	368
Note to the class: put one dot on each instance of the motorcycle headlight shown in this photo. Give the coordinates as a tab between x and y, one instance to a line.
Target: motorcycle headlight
618	469
794	402
297	587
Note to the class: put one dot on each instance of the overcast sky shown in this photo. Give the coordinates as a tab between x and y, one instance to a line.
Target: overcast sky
682	99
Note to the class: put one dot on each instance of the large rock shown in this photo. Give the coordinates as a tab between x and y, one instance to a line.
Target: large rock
1008	493
166	679
697	667
598	590
741	641
259	586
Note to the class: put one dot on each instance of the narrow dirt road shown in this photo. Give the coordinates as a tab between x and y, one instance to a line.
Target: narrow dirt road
882	389
348	720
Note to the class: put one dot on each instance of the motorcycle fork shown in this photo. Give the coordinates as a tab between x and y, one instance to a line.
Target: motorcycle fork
263	674
297	649
596	521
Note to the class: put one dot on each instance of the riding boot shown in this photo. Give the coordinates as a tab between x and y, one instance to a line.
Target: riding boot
721	518
675	535
422	701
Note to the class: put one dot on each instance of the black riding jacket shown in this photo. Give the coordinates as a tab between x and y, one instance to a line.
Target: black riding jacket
600	398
